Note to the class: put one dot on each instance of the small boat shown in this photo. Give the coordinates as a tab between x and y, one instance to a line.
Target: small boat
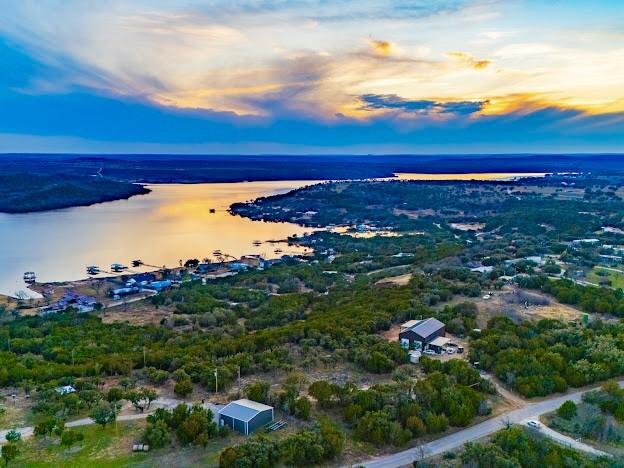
117	267
136	263
93	270
257	243
216	253
212	210
30	277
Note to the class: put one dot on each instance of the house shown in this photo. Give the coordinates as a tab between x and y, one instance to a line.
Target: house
123	291
245	416
65	390
159	285
237	266
79	302
207	267
483	269
143	278
417	334
252	261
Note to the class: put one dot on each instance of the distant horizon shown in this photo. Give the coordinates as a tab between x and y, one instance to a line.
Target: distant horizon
431	155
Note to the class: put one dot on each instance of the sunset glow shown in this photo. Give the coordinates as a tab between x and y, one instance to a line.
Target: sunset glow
294	76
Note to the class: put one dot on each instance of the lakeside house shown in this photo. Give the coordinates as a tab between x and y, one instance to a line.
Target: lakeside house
79	302
252	261
159	286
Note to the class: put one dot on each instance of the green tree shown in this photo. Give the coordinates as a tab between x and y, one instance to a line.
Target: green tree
13	436
70	437
259	452
9	453
258	391
45	427
114	395
322	391
183	387
302	408
333	438
304	448
150	395
104	413
567	410
90	397
156	434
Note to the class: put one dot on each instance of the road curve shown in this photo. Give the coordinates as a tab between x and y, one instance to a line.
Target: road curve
472	433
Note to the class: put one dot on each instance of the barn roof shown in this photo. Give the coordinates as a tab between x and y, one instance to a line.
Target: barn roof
427	327
243	410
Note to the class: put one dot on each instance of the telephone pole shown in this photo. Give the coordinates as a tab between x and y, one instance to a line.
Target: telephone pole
216	381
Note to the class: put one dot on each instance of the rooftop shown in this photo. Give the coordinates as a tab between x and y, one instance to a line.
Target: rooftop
440	341
426	327
243	410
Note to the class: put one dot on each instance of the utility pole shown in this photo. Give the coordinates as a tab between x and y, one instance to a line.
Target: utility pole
239	382
216	381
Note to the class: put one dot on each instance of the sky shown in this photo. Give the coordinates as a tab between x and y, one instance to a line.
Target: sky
312	76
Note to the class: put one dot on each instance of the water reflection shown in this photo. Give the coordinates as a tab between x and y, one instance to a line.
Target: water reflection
173	222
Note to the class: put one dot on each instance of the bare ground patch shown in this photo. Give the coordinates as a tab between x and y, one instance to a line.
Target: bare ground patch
400	280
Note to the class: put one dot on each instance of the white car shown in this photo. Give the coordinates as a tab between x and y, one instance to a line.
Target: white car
429	351
450	350
534	424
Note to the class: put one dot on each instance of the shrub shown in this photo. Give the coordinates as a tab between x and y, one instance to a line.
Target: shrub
567	410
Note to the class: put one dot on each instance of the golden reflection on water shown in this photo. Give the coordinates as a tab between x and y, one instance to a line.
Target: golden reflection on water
469	176
172	223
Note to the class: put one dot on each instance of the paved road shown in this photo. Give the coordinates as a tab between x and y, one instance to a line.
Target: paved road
145	294
478	431
572	443
168	403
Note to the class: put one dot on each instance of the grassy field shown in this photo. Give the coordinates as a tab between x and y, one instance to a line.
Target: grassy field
602	273
112	447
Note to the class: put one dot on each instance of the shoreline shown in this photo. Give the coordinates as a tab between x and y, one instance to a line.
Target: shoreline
395	176
63	206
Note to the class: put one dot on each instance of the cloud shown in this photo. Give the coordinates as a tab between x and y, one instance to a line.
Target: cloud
381	48
469	60
424	106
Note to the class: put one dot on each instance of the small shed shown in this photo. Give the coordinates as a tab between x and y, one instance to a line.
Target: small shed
245	416
439	344
65	390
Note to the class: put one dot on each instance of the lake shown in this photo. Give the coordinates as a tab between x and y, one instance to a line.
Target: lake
172	222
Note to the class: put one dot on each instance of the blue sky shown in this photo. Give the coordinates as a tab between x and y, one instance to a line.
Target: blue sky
307	76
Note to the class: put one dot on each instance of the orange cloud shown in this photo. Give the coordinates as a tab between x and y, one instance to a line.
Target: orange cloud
381	47
469	60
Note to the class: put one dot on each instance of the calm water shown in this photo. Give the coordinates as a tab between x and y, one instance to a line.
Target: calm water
173	222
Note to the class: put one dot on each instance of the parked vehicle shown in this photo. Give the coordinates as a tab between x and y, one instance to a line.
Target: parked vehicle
430	351
460	350
450	350
534	424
